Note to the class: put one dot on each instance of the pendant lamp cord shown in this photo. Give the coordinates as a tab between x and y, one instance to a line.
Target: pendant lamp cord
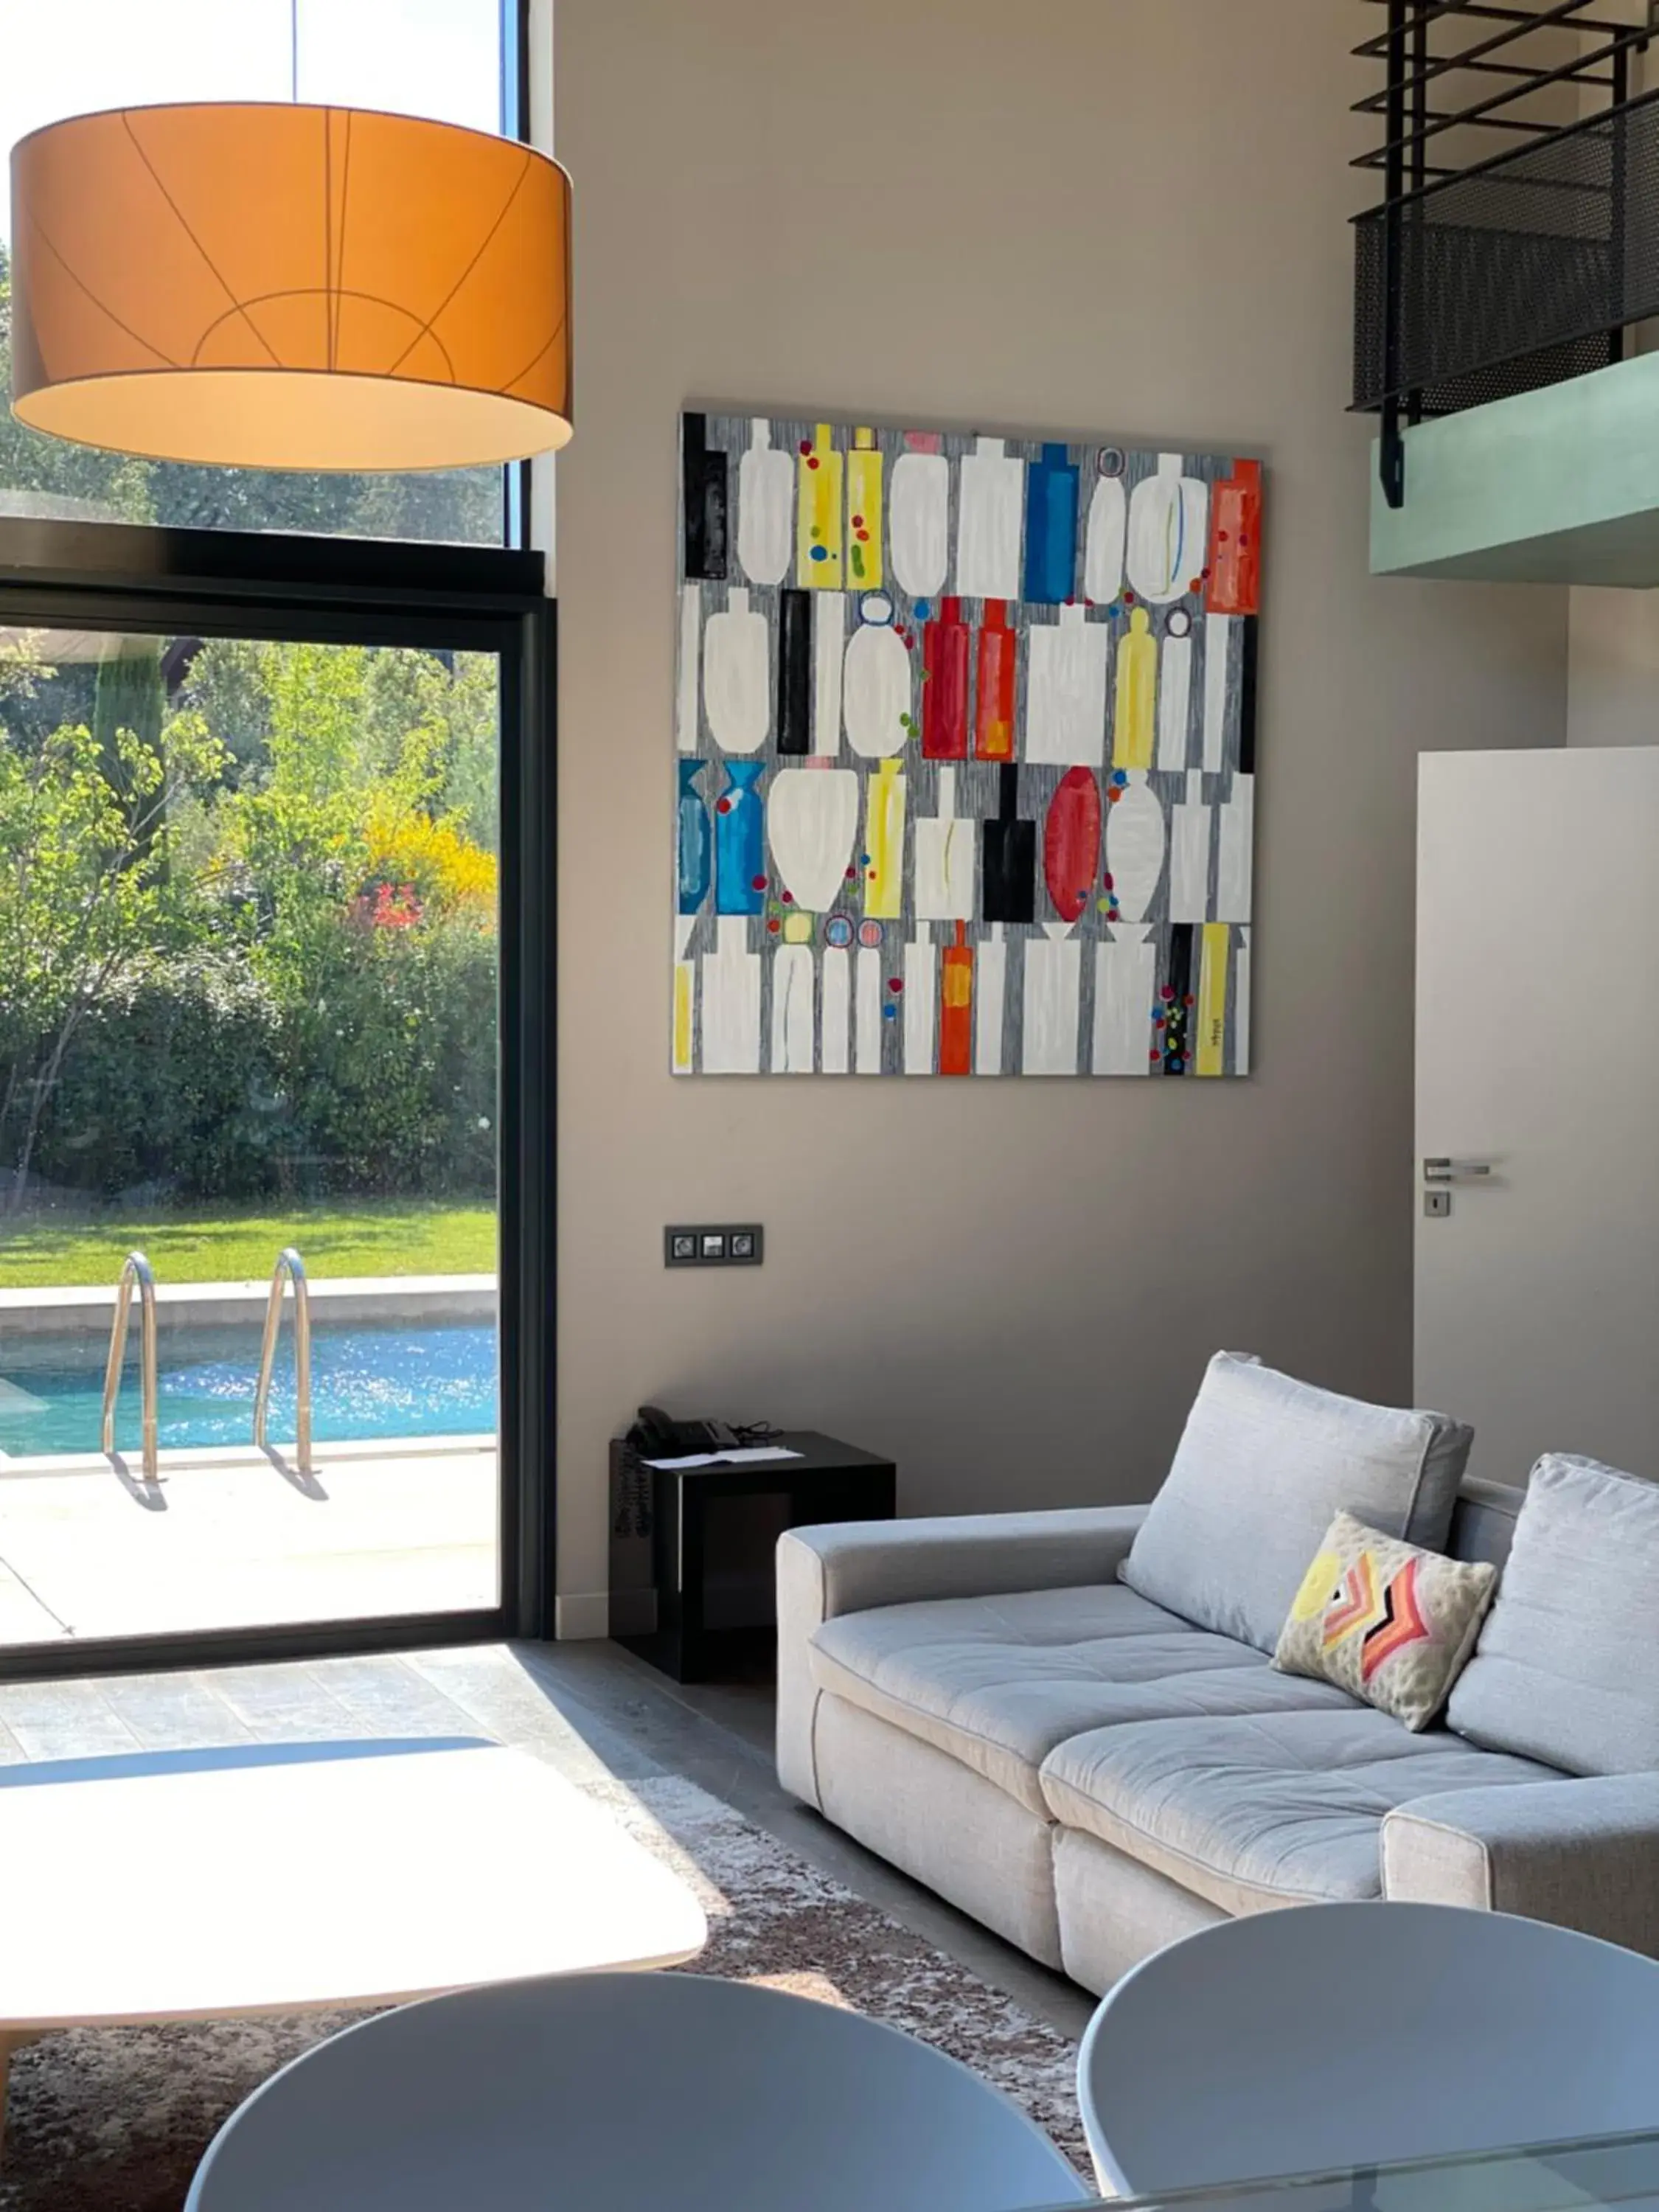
294	47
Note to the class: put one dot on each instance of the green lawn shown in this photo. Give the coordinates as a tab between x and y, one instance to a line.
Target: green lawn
232	1246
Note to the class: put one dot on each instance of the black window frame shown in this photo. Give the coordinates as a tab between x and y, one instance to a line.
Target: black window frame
214	583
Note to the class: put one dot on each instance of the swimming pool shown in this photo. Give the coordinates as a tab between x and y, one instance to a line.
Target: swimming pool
437	1381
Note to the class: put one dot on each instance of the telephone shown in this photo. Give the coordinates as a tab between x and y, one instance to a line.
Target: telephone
655	1436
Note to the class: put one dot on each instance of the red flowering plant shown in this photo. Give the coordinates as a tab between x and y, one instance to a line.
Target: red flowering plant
388	906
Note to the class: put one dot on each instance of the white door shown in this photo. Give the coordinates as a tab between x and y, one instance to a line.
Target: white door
1537	1305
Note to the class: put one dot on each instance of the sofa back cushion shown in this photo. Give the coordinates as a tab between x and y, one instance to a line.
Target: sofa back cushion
1567	1667
1265	1464
1483	1520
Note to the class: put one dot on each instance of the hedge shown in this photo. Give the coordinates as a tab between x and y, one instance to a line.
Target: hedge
196	1080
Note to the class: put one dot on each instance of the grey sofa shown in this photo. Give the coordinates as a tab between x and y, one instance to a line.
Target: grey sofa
982	1702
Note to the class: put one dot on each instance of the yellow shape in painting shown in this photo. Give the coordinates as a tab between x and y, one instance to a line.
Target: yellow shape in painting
1316	1586
797	929
1213	999
883	840
1132	723
864	511
683	974
819	475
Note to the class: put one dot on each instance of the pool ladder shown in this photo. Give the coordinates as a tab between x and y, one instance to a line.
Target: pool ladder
136	1270
289	1268
133	1269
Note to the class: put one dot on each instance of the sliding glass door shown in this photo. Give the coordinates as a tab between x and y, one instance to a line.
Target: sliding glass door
269	1020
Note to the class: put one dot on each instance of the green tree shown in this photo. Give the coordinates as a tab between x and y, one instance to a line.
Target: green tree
129	701
441	711
87	900
293	987
229	685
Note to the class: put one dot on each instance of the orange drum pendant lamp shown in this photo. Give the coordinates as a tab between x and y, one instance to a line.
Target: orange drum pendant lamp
290	286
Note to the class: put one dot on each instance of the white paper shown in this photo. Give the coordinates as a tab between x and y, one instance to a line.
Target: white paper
726	1458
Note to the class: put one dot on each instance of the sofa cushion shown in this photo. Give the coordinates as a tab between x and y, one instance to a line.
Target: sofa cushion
998	1681
1279	1808
1567	1666
1263	1465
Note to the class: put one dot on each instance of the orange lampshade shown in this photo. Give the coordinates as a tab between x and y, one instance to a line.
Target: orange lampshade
290	287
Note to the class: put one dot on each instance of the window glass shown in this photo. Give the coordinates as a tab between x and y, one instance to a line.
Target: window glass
249	986
442	59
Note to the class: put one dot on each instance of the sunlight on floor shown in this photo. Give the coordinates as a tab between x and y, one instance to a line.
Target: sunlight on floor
233	1539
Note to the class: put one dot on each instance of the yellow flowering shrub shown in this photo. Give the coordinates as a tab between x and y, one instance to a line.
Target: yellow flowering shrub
437	859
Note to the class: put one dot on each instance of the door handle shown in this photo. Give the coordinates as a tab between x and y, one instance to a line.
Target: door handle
1443	1170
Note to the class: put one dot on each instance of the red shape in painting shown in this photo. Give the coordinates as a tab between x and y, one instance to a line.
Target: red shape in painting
993	715
1070	841
956	1011
1235	570
945	685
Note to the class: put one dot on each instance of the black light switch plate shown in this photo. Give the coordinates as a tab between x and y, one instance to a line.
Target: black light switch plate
714	1244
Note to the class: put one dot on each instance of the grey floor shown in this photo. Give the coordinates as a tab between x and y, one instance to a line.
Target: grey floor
583	1707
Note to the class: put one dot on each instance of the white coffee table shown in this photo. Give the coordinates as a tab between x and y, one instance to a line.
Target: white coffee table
186	1887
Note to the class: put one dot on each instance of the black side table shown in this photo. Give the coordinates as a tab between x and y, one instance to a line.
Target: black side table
676	1537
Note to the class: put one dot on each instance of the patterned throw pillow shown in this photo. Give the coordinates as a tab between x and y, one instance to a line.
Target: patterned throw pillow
1385	1621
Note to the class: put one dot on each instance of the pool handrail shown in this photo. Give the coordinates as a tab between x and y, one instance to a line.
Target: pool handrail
135	1268
291	1266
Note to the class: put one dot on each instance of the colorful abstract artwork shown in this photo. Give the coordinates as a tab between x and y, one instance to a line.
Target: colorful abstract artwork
966	740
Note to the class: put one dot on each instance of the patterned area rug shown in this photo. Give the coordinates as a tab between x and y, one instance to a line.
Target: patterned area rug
115	2120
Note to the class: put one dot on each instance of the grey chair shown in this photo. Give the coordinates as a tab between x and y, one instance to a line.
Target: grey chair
628	2093
1335	2036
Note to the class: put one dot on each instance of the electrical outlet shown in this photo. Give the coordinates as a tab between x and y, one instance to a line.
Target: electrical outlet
714	1245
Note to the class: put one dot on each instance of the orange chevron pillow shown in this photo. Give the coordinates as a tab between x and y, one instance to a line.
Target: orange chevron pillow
1384	1620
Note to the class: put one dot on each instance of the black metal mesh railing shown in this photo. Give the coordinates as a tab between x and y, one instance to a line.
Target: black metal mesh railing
1517	273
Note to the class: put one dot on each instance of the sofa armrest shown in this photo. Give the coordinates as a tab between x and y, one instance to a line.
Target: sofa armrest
1583	1854
855	1566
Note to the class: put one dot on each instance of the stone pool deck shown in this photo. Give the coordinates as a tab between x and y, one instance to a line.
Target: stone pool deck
43	1322
232	1538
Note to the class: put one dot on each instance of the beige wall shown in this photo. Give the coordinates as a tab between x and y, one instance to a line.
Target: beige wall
1073	217
1612	668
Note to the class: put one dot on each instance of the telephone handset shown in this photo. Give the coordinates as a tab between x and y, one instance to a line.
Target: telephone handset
654	1435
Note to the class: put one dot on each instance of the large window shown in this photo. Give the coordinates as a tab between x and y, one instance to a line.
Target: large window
248	930
447	59
275	962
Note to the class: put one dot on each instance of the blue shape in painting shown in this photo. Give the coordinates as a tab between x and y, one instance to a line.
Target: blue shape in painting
696	864
740	842
1050	527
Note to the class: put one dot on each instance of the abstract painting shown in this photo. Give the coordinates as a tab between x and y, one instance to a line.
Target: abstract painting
965	729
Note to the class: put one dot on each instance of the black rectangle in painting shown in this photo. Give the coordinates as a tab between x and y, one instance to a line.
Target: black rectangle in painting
1247	682
1008	854
795	671
1176	1000
703	487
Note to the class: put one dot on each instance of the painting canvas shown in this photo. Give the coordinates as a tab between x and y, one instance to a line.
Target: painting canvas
966	751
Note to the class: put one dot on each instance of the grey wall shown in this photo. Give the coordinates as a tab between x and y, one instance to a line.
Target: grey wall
1076	216
1613	686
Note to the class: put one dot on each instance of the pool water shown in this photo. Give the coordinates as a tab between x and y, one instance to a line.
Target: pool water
435	1381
